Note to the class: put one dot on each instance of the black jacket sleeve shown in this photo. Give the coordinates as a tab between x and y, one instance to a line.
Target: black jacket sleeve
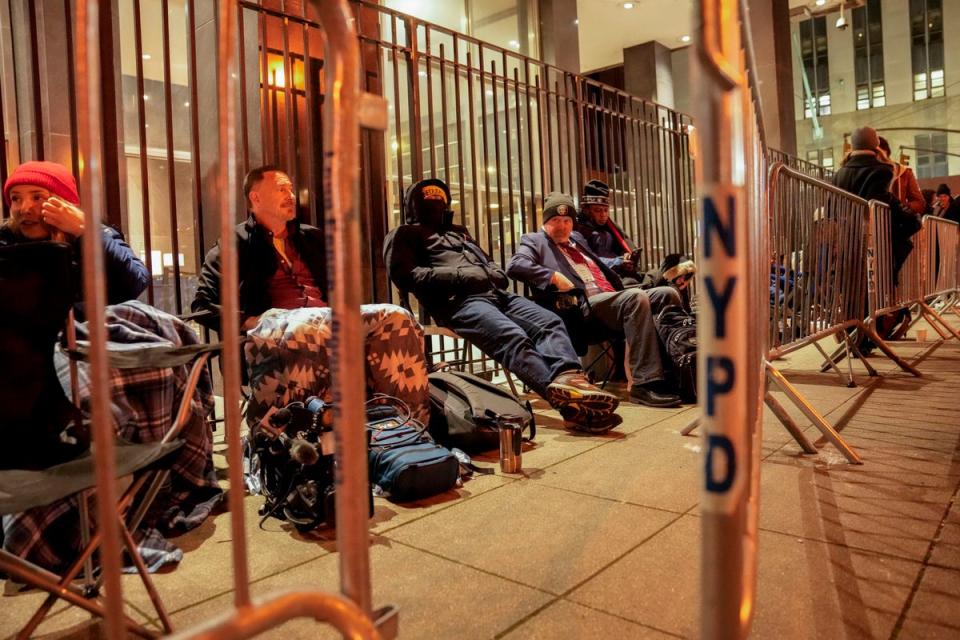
207	298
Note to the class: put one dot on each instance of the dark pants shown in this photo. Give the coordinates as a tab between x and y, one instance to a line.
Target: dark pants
630	313
528	340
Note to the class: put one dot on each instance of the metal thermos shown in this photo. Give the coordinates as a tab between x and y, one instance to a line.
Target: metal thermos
511	443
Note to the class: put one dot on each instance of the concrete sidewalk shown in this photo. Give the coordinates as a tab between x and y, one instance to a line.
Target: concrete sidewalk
600	538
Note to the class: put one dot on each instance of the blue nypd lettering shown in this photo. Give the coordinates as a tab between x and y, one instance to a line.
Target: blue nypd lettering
720	446
719	234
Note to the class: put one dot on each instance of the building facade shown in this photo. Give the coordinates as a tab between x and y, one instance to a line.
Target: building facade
890	64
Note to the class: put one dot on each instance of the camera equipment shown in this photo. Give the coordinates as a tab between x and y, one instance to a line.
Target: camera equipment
296	473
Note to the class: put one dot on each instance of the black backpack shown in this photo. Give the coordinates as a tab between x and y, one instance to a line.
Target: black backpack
678	333
465	411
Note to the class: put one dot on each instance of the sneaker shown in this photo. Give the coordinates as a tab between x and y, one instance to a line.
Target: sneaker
577	419
573	388
651	396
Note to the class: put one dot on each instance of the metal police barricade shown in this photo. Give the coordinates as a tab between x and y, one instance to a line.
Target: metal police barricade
350	612
731	168
891	291
816	269
939	274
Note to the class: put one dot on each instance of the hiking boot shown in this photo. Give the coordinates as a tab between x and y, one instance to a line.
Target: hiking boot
652	395
576	419
573	388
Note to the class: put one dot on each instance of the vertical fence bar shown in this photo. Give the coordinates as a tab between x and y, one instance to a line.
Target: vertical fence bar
230	302
171	168
95	298
144	159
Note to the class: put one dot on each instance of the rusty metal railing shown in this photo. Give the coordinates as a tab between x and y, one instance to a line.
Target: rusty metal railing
350	612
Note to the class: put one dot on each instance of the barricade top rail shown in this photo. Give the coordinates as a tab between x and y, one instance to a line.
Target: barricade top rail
781	167
816	240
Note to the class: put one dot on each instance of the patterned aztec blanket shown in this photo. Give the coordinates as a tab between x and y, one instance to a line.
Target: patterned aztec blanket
144	404
287	358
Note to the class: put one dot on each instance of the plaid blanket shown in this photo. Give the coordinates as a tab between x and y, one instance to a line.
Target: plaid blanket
287	361
144	404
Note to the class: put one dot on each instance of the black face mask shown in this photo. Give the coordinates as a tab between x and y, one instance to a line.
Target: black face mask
434	213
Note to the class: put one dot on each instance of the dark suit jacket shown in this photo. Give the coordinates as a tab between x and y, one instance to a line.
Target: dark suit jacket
538	257
534	263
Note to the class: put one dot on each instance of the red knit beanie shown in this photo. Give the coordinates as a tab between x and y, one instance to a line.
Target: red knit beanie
53	177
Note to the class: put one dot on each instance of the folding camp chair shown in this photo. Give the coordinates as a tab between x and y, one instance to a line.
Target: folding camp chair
567	305
36	293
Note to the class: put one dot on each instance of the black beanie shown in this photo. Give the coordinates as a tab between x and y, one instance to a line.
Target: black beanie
558	204
943	189
595	192
431	190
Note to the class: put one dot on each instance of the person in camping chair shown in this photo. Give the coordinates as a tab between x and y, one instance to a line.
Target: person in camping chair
462	289
557	258
282	269
603	236
45	206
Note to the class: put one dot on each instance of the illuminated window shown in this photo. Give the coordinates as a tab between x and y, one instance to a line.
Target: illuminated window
813	48
926	33
868	55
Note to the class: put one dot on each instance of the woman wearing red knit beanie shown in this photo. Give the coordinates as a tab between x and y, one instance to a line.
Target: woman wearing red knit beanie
44	205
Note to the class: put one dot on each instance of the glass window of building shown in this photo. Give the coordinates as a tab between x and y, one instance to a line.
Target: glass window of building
926	33
931	151
868	55
813	49
821	157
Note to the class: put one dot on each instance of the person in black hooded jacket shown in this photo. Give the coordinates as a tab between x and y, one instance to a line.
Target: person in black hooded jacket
866	175
458	284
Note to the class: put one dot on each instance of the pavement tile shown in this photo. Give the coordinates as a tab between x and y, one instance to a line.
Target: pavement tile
536	535
656	467
946	549
437	598
205	568
808	501
805	589
389	515
934	611
563	620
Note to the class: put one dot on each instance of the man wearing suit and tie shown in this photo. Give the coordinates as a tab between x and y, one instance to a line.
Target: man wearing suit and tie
558	259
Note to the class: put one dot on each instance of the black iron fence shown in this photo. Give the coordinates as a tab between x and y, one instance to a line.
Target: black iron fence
503	129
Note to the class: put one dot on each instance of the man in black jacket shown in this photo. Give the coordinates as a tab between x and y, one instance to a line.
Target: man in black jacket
864	174
462	289
602	235
556	258
284	311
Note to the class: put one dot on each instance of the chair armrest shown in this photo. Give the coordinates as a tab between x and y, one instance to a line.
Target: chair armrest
150	356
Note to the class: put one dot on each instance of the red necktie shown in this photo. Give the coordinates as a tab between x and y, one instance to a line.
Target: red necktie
598	278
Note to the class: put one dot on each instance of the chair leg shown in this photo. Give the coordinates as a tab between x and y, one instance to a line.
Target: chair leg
145	576
39	577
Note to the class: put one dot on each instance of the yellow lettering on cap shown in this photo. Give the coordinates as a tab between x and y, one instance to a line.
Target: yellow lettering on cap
433	192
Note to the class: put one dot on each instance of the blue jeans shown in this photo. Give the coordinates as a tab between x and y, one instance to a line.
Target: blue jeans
530	341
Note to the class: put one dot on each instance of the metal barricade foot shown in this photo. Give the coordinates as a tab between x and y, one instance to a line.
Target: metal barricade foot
934	318
690	428
812	414
887	351
387	621
789	423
